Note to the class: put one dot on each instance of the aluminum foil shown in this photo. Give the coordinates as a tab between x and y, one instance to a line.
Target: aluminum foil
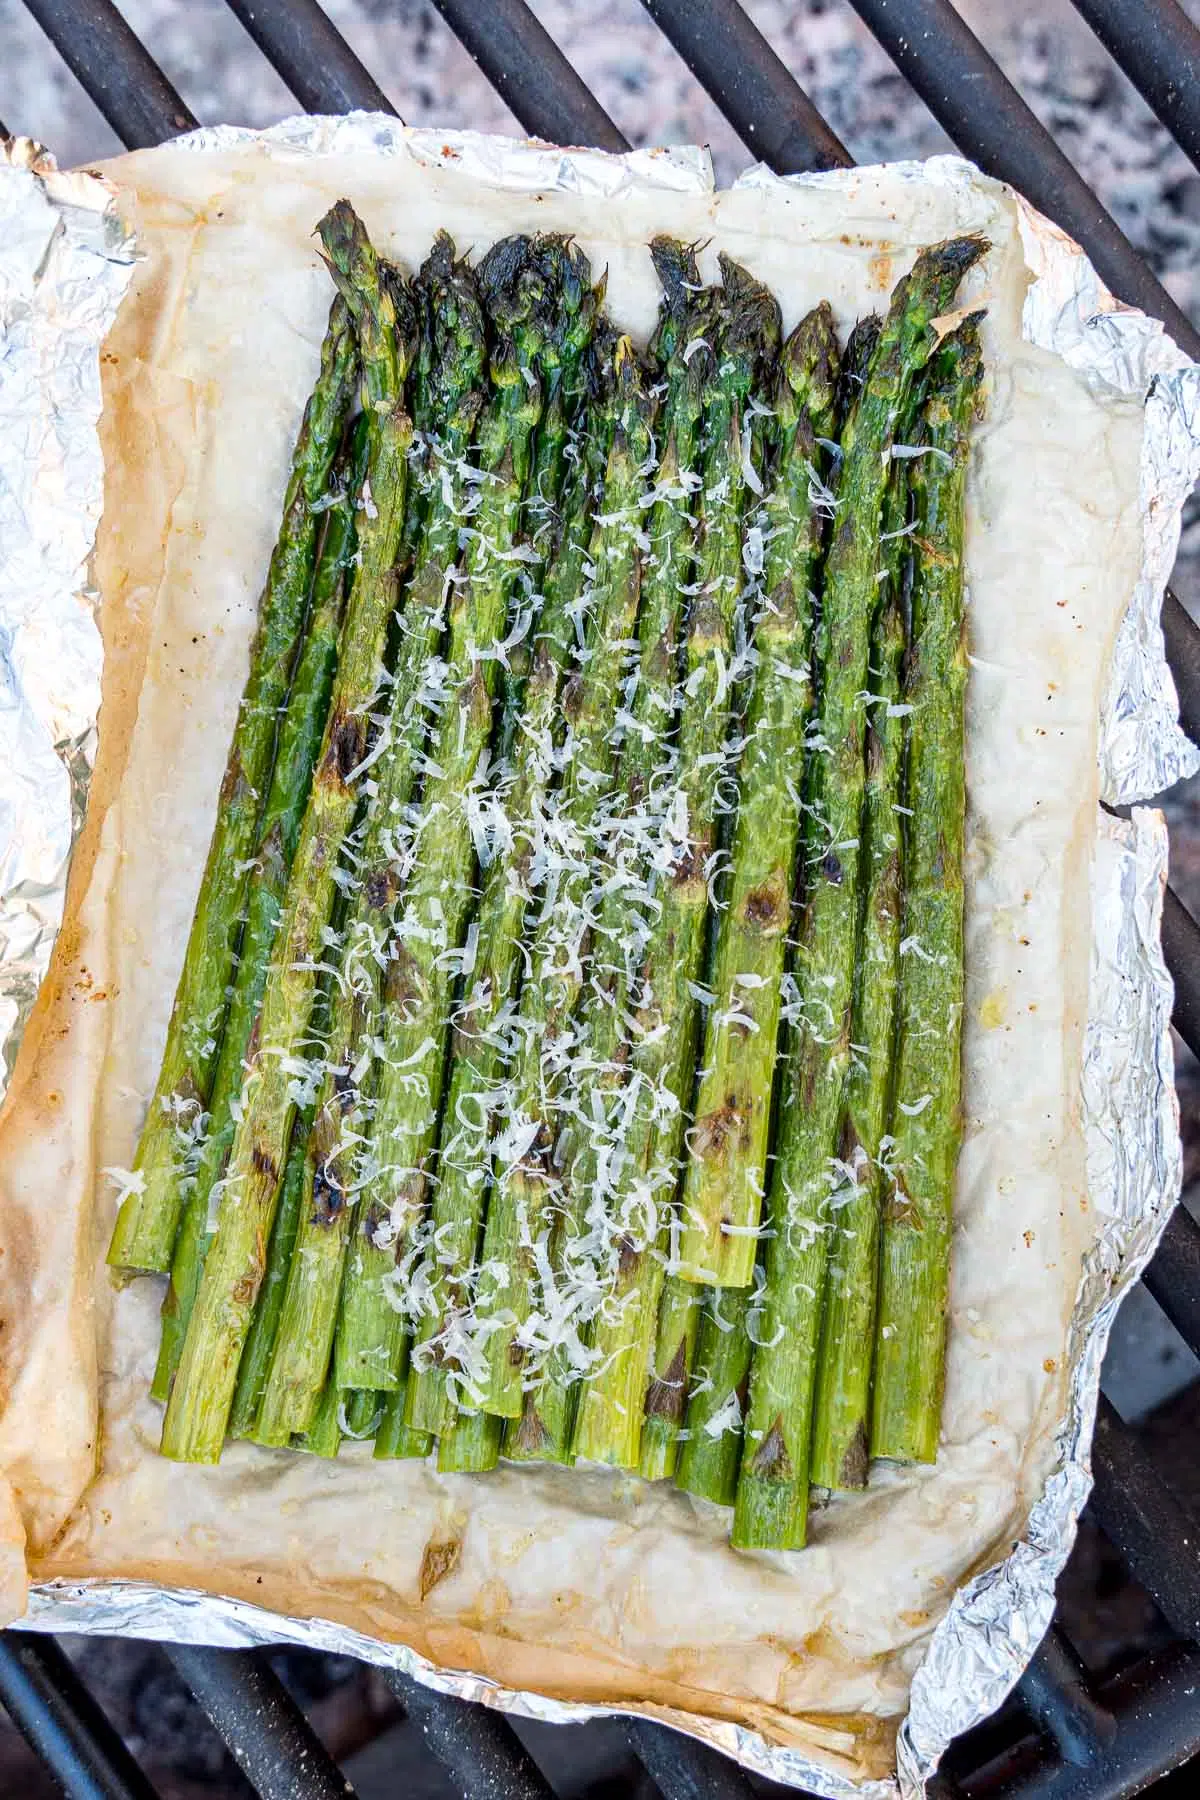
63	265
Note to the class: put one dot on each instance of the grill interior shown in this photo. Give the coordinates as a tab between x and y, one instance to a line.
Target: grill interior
1065	1733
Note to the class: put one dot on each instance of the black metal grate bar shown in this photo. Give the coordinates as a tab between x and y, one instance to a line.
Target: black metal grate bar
1173	1277
1181	948
757	93
113	66
1158	47
54	1712
979	108
268	1736
478	1749
312	56
684	1768
1182	640
1155	1713
1144	1519
1053	1691
530	73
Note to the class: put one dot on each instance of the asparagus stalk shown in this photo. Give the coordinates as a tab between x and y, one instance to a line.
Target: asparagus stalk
144	1234
361	1413
299	741
843	1383
711	1450
453	332
324	1437
482	1023
927	1119
198	1409
471	1444
534	293
528	1437
723	1185
260	1340
555	447
772	1499
255	1363
396	1438
425	398
746	331
608	1402
525	1191
678	1326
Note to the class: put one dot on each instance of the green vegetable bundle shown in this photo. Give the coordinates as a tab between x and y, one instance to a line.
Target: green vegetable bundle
565	1062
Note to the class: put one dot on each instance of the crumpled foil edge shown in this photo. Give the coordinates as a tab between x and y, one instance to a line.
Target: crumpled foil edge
65	260
995	1622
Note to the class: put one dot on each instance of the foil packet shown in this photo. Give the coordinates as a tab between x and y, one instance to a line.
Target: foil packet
66	264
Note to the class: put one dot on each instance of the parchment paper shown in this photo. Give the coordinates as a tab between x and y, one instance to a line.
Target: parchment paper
584	1584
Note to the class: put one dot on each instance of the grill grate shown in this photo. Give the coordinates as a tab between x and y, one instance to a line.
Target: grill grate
1061	1737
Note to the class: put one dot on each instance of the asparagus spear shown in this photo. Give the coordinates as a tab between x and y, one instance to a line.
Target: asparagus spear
396	1440
425	397
608	1402
555	447
299	741
772	1499
856	364
471	1445
529	1437
711	1449
839	1441
324	1437
927	1122
198	1410
361	1413
260	1340
395	1437
723	1185
534	293
678	1326
144	1234
482	1023
453	332
746	332
524	1192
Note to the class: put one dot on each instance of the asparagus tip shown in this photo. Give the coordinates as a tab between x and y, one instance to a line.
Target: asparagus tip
345	239
677	270
809	363
681	310
564	265
753	323
956	255
440	263
572	302
856	360
538	295
937	272
454	347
